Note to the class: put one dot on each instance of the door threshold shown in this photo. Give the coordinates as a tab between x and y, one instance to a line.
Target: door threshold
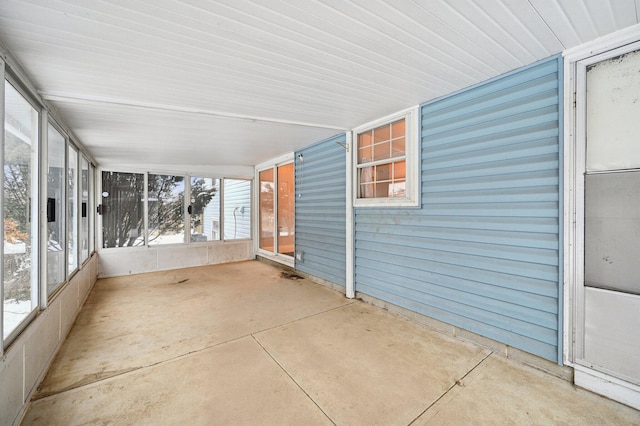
608	386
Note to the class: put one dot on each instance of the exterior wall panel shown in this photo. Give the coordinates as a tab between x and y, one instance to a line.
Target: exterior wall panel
237	209
321	210
482	251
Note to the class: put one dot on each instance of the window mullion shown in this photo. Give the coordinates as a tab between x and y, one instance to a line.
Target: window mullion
145	208
378	162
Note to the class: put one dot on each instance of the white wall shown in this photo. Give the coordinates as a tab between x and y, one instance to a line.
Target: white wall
26	361
137	260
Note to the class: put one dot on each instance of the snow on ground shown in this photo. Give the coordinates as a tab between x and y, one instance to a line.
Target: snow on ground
14	313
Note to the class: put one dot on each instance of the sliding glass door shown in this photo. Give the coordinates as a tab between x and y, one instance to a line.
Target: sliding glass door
277	209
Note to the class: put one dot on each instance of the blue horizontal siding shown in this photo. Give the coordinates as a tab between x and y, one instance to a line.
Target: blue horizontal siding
237	209
321	210
482	251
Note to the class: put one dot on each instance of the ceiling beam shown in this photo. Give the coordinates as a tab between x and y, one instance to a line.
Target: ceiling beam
130	103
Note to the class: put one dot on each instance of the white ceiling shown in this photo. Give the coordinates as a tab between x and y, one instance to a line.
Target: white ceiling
236	82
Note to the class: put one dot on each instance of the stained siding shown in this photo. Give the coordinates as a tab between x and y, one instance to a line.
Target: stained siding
320	210
482	251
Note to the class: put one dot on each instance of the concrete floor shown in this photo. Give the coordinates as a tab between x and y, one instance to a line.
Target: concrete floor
239	344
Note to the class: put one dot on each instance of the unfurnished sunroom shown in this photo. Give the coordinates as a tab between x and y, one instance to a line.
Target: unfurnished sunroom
472	165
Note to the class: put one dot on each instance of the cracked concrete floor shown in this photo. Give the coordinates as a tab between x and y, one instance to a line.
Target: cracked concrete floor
240	344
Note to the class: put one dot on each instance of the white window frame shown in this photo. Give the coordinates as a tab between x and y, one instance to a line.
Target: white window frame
37	294
412	159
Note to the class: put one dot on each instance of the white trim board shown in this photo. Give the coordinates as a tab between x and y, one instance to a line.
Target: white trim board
608	386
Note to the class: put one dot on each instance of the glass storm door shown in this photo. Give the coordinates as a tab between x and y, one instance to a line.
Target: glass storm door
608	338
266	201
277	209
286	210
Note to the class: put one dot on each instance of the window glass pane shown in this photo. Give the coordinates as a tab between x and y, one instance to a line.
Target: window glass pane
612	231
205	209
383	172
383	181
122	209
366	176
20	287
56	237
398	129
84	210
612	113
166	209
286	209
382	133
398	147
366	190
237	209
72	208
267	218
388	142
382	151
397	188
365	152
399	170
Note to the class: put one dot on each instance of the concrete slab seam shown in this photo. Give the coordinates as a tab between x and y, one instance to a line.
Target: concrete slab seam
292	379
301	319
177	357
456	383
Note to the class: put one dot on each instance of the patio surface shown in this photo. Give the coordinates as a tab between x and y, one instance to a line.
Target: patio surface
240	344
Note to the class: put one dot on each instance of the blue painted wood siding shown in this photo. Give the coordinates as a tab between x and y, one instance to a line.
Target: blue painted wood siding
482	251
237	209
321	210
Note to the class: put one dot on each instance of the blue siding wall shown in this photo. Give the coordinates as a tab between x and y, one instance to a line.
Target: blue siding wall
321	210
482	252
237	209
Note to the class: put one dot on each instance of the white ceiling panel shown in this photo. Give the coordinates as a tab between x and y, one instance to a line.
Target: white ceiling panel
157	136
237	82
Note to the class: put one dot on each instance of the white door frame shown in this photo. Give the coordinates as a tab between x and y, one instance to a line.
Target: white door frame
575	62
274	163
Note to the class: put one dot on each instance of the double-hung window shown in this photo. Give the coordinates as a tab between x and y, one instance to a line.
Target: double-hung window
387	161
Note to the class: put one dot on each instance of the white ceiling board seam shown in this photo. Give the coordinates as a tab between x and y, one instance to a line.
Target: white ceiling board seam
585	11
349	54
524	28
417	51
58	97
547	25
321	73
495	58
566	20
501	29
264	82
472	24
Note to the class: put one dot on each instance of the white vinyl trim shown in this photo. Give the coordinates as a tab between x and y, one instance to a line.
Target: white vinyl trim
43	242
350	290
2	98
608	386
